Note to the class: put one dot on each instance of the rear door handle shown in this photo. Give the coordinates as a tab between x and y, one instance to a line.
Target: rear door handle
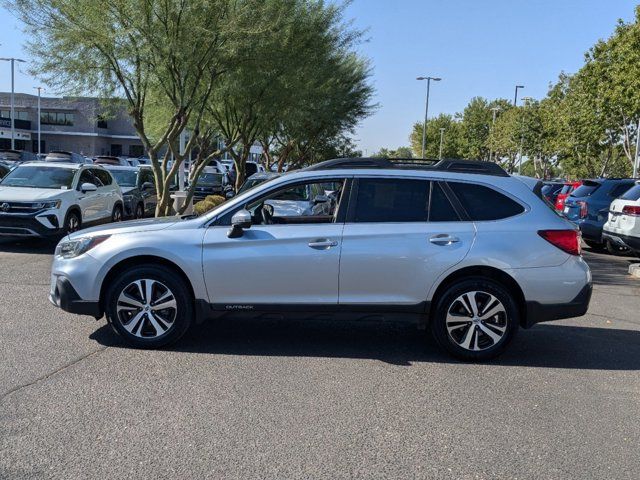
323	244
443	239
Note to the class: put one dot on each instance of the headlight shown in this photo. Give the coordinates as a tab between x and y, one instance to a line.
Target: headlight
46	205
75	248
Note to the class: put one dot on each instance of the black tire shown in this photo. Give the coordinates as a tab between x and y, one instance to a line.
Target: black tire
143	334
116	215
616	249
504	324
139	211
72	222
595	246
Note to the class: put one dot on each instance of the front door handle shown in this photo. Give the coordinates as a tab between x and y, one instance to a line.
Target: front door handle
323	244
443	239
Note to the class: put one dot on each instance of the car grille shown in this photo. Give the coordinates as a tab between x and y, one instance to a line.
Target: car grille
19	207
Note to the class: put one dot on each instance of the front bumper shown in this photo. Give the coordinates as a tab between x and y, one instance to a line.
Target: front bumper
64	296
538	312
29	226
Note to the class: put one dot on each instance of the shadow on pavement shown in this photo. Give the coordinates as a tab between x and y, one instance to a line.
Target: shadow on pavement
29	245
545	345
612	270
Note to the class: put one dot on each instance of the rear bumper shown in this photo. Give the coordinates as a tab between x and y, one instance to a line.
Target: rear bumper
622	240
28	226
591	231
64	296
538	312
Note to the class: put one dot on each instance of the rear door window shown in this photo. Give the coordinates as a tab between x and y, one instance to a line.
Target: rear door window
484	203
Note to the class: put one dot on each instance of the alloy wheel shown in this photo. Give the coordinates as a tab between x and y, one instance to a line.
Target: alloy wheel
476	321
117	215
73	224
146	308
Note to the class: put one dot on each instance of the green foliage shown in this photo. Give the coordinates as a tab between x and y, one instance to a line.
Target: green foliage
208	204
451	137
400	152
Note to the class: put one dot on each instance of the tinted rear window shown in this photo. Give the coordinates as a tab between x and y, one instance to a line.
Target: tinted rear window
391	200
632	194
484	203
620	189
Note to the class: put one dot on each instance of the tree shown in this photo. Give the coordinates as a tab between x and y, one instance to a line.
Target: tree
167	53
400	152
451	144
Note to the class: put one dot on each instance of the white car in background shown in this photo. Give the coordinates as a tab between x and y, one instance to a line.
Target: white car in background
623	225
50	199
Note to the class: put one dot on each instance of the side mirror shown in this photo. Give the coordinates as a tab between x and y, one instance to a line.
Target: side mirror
240	221
88	187
321	199
147	186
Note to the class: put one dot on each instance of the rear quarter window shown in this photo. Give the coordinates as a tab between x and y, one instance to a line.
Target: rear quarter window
632	194
620	189
484	203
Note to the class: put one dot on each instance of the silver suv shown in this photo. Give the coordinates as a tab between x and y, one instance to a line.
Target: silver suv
462	247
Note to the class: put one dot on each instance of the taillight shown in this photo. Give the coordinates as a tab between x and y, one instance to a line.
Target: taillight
566	240
633	210
583	208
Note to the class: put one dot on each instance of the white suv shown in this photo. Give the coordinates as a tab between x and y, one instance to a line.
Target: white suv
44	199
459	246
623	225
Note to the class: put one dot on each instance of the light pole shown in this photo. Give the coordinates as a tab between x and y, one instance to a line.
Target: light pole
426	110
525	102
493	121
39	91
515	97
441	138
13	118
635	160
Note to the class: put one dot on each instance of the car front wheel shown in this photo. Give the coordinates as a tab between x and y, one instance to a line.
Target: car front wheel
72	222
116	216
475	319
149	306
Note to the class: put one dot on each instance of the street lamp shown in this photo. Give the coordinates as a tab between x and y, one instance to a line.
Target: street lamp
441	138
426	110
13	121
39	90
525	102
495	110
515	97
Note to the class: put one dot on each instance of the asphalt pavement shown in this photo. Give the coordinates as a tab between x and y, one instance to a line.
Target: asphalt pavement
287	399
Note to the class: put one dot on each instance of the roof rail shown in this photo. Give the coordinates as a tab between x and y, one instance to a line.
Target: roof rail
451	165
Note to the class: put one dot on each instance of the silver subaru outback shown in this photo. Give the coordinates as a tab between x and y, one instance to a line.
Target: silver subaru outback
468	251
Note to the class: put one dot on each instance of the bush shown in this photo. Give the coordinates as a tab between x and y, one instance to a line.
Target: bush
208	204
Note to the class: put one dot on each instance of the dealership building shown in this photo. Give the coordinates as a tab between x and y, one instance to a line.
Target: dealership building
77	124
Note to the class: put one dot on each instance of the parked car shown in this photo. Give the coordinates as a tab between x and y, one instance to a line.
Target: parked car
251	168
138	189
588	207
257	179
567	189
209	182
49	199
4	169
59	156
623	225
17	156
111	160
461	246
550	191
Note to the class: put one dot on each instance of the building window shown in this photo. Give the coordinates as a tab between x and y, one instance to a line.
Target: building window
20	114
136	151
101	123
56	118
116	150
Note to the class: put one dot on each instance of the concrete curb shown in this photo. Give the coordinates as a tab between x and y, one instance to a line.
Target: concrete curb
634	269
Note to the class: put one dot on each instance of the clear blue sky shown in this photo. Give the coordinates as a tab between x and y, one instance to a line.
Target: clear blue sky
479	48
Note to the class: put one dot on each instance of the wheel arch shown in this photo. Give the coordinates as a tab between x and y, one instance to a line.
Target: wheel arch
75	208
492	273
139	261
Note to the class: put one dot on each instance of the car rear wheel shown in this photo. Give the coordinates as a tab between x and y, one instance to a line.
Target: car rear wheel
139	213
149	306
475	319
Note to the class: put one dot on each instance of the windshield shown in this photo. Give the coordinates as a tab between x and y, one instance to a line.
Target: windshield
210	179
40	177
125	178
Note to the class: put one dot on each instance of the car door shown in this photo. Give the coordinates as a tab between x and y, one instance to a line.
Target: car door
401	234
107	192
289	256
90	203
